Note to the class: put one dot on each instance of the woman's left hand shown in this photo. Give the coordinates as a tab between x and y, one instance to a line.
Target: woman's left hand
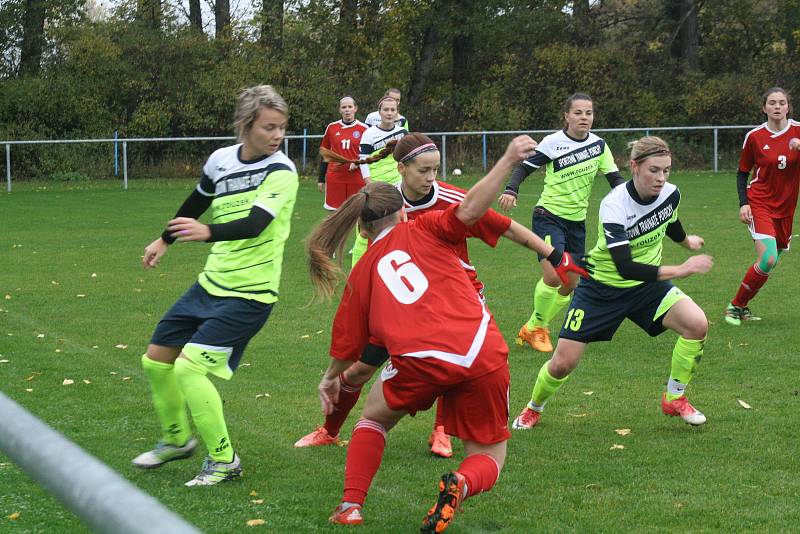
694	242
188	229
794	143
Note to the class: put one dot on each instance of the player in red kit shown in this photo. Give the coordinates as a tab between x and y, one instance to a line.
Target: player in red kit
337	180
419	161
768	201
409	295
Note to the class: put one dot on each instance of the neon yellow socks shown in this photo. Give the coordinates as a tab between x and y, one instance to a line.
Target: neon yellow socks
545	386
359	247
167	401
544	298
685	356
206	407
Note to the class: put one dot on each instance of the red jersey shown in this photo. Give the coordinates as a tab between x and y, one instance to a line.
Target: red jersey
775	181
344	139
410	294
488	229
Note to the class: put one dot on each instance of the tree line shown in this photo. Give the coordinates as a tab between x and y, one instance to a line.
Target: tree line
156	68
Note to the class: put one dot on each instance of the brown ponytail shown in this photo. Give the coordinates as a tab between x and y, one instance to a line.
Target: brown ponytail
332	157
373	207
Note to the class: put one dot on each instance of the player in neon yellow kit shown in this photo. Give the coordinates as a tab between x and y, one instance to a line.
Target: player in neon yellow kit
375	164
629	282
572	158
251	189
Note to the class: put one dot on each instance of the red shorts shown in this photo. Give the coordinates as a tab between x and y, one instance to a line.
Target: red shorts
340	188
765	226
475	409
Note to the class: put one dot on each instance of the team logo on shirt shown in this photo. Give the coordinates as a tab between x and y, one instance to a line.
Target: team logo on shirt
356	134
766	147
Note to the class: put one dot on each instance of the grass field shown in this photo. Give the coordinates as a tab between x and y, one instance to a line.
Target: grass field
75	303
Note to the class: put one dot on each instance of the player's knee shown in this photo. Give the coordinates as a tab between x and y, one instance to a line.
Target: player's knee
357	375
698	327
768	262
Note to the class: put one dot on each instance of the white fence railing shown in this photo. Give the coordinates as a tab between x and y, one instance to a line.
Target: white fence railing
305	137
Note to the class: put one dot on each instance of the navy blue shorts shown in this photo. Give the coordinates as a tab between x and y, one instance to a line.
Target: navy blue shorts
203	319
561	233
597	310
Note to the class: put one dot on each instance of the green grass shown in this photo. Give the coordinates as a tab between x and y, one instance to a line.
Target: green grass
738	472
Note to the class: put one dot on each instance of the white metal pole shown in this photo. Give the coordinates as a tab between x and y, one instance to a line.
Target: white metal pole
716	158
125	165
8	167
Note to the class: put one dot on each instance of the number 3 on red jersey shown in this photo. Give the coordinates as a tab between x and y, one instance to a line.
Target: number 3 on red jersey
402	277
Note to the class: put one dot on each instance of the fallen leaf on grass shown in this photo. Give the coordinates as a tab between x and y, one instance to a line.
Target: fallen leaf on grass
87	381
244	365
305	336
113	372
253	493
623	431
578	414
743	404
54	283
40	336
120	346
8	297
29	390
255	522
593	486
14	516
262	395
33	375
616	447
743	344
95	347
319	331
126	378
343	443
3	361
94	275
588	392
80	295
58	350
67	382
257	501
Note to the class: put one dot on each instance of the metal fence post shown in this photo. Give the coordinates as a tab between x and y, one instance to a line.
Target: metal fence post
484	152
444	157
125	165
305	143
116	153
286	146
8	167
716	157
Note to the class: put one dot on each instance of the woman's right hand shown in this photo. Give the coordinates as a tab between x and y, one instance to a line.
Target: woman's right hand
520	148
506	202
153	253
700	264
746	214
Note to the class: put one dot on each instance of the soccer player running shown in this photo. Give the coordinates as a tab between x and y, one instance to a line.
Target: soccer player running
629	282
767	203
374	118
251	188
418	163
340	181
572	157
410	296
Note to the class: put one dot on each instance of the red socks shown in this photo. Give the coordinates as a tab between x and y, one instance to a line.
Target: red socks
348	397
481	472
364	456
753	280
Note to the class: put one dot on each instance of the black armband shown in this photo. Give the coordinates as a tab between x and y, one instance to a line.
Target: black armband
323	169
555	257
676	232
741	187
629	269
614	179
244	228
193	207
518	176
374	355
